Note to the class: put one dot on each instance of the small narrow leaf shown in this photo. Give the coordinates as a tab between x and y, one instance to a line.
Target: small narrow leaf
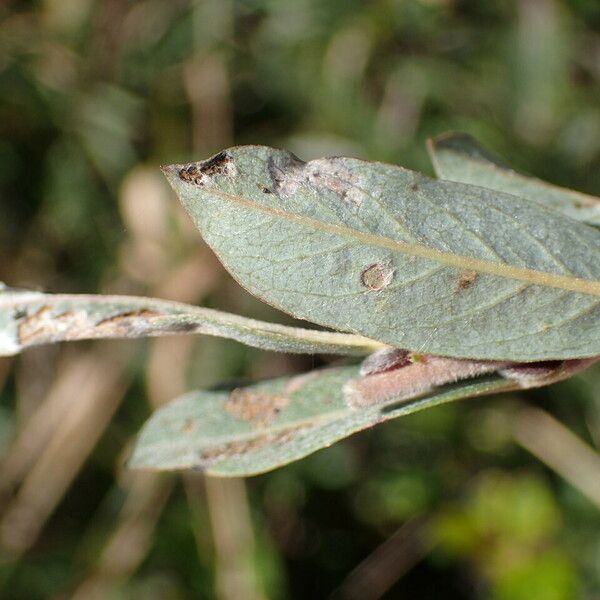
30	318
458	157
427	265
256	429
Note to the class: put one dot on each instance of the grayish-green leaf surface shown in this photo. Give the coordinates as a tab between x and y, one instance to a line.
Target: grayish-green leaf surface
433	266
255	429
29	318
458	157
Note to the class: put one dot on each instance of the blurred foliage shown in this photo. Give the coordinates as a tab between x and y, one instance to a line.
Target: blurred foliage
94	95
507	526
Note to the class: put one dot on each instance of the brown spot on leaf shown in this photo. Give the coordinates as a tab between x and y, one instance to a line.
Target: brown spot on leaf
189	173
201	172
45	326
123	323
256	408
188	425
240	447
142	312
466	279
377	276
263	188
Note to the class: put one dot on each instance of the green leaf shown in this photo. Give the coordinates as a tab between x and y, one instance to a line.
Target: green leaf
30	318
458	157
255	429
432	266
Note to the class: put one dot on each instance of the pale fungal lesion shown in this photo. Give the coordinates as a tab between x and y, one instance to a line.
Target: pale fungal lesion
377	276
215	454
257	408
326	173
45	325
48	325
321	174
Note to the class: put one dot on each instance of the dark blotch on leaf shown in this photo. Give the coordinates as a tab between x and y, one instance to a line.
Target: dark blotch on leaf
198	173
467	278
385	360
533	370
215	165
19	313
183	326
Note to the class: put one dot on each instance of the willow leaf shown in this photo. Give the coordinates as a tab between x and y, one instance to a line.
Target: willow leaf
256	429
458	157
433	266
29	318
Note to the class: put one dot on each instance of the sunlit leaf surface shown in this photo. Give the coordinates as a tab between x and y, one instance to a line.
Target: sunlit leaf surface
378	250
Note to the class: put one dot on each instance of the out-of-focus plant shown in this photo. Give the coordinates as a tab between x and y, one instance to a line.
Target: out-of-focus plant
507	528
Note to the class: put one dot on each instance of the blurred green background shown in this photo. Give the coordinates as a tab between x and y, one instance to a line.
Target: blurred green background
490	498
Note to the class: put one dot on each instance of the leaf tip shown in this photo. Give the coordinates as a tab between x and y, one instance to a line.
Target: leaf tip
171	173
202	172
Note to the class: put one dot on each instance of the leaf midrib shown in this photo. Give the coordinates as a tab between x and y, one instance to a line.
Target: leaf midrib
530	276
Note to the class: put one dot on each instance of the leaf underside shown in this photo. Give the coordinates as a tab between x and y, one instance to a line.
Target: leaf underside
431	266
458	157
267	425
29	318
